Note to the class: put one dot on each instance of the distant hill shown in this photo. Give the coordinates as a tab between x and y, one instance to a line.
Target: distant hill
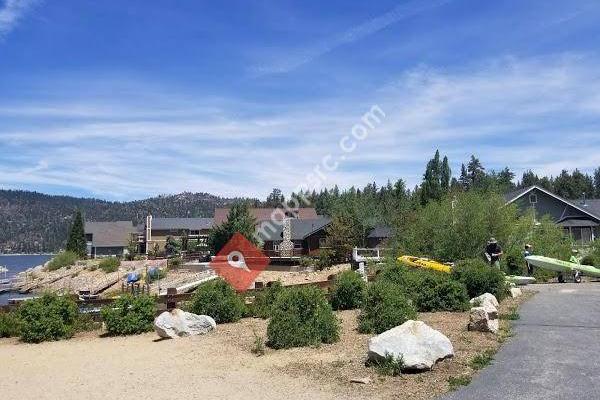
32	222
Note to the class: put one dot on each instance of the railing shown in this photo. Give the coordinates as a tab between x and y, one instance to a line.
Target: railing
285	253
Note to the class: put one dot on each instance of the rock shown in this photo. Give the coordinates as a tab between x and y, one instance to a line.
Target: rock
515	292
362	381
481	321
179	323
419	345
484	299
489	302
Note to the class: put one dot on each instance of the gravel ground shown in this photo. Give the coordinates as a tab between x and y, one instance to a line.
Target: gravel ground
221	366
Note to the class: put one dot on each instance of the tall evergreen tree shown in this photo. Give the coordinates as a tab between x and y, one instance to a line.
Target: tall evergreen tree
464	179
504	180
445	175
275	199
597	182
239	220
476	171
76	241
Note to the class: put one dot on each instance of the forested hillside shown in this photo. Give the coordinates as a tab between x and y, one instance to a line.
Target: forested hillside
34	222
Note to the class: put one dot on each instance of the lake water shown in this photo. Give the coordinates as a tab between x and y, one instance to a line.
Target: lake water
16	264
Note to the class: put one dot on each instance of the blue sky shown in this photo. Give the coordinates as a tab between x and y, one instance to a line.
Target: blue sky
123	100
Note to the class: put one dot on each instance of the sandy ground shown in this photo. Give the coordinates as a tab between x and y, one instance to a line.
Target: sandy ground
220	365
295	278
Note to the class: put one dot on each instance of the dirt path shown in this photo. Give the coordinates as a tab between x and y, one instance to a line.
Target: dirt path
140	367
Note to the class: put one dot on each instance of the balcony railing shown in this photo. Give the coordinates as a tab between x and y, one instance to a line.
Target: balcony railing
285	253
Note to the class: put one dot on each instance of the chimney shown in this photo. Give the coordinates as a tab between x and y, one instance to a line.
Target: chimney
287	246
148	232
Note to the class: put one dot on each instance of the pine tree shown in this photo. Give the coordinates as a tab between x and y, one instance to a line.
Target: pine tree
445	175
464	179
597	182
76	241
239	220
476	171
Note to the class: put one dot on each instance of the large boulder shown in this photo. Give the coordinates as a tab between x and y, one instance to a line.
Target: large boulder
515	292
481	320
179	323
489	302
419	345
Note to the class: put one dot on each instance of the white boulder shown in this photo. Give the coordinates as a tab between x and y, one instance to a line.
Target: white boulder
515	292
489	302
419	345
179	323
481	320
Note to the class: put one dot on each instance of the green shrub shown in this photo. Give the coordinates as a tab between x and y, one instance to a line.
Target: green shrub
49	317
129	315
264	300
302	317
62	259
456	382
10	324
482	360
348	291
385	307
325	260
218	300
307	262
156	274
429	290
439	293
480	278
110	264
588	260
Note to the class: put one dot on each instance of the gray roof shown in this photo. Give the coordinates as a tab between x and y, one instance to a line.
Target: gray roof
301	228
590	207
192	224
110	234
380	231
577	223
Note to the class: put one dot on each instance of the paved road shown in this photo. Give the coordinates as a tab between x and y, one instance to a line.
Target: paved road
555	353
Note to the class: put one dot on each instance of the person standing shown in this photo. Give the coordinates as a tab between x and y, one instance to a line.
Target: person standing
528	252
493	252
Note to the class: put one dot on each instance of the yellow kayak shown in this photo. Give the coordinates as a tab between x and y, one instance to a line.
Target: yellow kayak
419	262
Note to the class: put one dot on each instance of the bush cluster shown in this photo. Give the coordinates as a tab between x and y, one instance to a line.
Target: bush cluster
429	291
302	317
479	278
10	325
62	259
110	264
385	307
262	306
218	300
129	315
348	291
49	317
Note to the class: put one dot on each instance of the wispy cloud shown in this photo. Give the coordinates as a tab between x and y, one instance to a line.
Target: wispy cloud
525	113
11	13
365	29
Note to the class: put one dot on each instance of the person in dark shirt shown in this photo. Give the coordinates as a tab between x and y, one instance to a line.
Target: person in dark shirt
493	252
528	252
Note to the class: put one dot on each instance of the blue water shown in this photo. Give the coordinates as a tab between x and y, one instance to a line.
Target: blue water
16	264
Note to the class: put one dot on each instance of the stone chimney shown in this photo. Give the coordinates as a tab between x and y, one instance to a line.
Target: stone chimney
287	246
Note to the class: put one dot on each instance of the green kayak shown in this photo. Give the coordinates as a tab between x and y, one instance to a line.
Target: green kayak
553	264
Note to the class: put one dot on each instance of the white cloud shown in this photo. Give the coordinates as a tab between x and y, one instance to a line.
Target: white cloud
535	113
11	13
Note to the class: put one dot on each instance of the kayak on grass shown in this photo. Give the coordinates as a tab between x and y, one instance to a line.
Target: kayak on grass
560	266
426	263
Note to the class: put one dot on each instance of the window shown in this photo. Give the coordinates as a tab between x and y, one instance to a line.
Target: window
276	246
322	242
533	198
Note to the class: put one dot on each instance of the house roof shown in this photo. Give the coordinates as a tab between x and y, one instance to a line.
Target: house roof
577	223
380	231
301	228
110	234
591	207
264	214
192	224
